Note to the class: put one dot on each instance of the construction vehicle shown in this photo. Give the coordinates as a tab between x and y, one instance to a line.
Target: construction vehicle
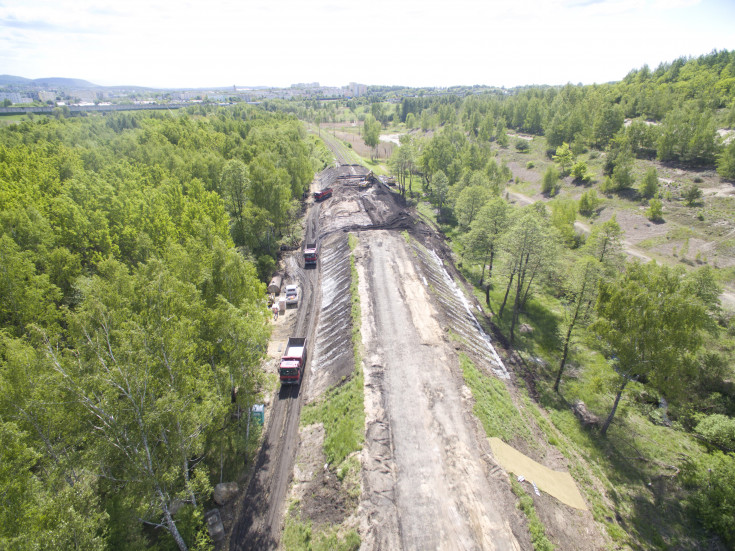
323	194
310	254
292	363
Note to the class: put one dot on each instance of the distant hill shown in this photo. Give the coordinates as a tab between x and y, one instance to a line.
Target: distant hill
54	82
10	79
58	82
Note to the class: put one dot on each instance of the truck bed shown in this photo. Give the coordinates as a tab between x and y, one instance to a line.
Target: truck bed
294	352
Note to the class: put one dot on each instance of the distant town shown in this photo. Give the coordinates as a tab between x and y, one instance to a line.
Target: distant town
17	92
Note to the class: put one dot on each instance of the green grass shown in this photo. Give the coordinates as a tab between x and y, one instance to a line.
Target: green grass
538	533
493	404
302	536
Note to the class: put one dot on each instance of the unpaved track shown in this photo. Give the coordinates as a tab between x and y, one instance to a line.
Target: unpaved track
426	483
257	523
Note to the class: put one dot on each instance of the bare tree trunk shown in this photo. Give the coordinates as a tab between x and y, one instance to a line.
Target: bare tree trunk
170	524
505	298
563	357
606	424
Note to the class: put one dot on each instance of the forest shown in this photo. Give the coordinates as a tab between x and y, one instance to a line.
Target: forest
133	317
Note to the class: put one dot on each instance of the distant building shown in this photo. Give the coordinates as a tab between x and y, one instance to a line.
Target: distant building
358	89
45	96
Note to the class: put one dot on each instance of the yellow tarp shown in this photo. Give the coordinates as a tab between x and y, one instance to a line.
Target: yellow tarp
556	484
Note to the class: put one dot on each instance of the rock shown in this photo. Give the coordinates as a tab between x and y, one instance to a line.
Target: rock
525	328
584	415
225	491
214	525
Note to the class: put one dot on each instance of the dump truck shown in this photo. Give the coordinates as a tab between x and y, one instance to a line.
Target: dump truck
293	360
310	254
326	193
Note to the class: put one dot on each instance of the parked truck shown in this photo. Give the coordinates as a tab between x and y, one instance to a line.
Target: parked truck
325	193
293	360
310	254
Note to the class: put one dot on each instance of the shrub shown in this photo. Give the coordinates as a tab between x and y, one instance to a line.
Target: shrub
550	183
649	184
692	194
712	478
718	430
530	165
522	146
579	172
589	202
655	210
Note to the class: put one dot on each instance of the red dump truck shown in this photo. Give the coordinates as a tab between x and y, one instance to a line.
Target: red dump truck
293	360
310	254
325	193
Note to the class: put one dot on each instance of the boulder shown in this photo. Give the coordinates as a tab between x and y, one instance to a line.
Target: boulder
224	492
587	418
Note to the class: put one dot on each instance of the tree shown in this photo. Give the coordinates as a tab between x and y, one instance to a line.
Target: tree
649	184
549	184
481	242
530	246
726	161
441	189
563	216
692	194
564	158
650	327
588	202
655	210
371	133
605	243
579	172
582	286
234	188
470	201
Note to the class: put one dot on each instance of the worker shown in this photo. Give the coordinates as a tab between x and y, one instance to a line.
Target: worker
275	311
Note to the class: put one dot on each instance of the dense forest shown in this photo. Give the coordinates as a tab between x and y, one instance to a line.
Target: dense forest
132	316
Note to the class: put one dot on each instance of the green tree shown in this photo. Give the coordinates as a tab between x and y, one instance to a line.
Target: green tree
234	188
550	182
564	158
588	202
692	194
649	184
563	216
482	241
441	189
655	210
371	134
605	243
726	161
470	201
581	292
530	246
580	172
651	327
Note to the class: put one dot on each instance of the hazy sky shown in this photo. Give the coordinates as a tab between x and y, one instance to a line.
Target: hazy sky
411	42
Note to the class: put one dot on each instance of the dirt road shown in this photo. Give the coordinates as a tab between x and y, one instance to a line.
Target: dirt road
426	478
258	515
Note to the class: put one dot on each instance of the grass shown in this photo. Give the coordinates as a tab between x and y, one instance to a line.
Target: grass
302	536
538	533
493	404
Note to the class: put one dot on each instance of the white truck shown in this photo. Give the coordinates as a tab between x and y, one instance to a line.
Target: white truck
292	295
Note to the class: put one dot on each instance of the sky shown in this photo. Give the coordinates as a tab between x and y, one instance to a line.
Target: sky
191	44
